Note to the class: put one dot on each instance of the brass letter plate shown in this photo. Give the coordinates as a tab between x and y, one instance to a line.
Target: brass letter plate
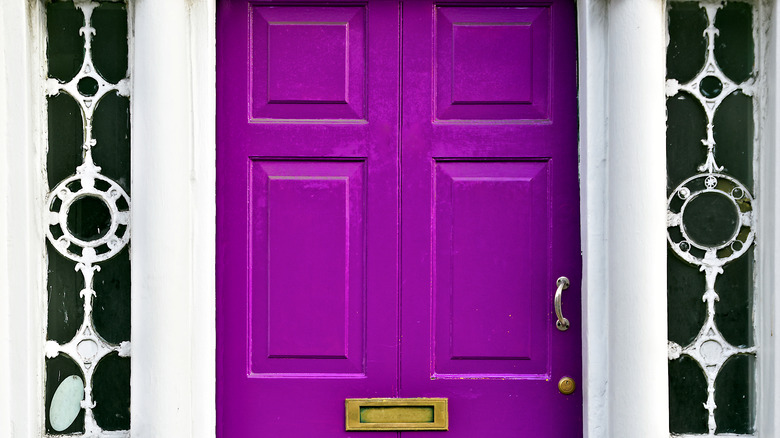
397	414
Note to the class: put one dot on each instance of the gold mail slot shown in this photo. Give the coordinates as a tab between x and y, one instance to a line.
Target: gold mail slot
397	414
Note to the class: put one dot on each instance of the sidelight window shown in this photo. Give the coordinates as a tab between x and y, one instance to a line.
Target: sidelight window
87	220
712	103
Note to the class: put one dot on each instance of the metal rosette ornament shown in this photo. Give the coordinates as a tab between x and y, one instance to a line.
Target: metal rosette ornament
112	196
727	229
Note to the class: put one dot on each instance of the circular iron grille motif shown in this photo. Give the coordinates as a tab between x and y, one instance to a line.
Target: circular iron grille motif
80	246
710	219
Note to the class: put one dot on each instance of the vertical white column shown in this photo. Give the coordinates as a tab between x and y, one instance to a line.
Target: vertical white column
636	222
22	191
161	248
173	212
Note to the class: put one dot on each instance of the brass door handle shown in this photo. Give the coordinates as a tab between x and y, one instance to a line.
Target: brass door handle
562	323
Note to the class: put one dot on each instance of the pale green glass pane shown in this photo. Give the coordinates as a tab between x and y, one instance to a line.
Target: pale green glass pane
66	403
57	370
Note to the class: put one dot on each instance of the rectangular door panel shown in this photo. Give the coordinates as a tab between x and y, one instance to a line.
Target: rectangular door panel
307	290
308	62
492	63
491	259
307	214
490	215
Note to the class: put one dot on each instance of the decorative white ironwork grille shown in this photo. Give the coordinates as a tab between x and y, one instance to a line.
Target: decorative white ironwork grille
88	347
716	196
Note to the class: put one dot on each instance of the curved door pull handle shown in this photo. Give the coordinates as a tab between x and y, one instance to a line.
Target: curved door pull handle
562	323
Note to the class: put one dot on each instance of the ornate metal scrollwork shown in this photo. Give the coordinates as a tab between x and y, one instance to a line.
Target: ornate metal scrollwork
710	253
87	347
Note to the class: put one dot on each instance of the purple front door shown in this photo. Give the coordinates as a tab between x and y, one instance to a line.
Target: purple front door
397	194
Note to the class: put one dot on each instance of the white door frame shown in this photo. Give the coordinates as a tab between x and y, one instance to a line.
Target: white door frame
623	179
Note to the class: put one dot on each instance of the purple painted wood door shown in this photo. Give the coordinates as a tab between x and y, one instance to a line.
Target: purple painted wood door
396	196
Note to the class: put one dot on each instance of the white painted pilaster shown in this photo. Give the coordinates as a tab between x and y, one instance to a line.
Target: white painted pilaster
22	190
637	391
173	101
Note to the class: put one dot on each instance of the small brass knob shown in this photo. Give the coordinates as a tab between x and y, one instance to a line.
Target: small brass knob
566	385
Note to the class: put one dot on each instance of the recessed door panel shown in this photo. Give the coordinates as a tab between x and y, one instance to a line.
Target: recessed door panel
491	259
308	62
490	215
307	222
492	63
307	290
